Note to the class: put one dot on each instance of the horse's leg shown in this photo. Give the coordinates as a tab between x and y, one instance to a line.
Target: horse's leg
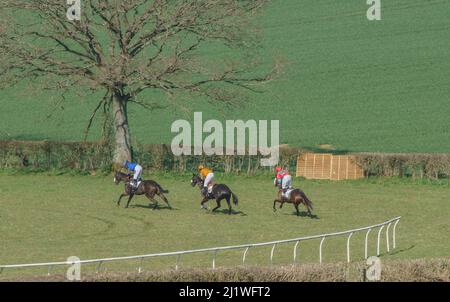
274	203
202	204
229	204
307	208
120	198
218	204
296	208
129	199
152	200
281	203
161	195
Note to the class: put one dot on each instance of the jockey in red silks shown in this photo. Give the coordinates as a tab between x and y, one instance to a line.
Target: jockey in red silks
283	179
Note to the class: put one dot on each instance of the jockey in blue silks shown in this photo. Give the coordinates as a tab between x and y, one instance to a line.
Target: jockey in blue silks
137	169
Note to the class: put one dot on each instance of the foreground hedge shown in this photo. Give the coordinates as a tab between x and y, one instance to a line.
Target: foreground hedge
423	270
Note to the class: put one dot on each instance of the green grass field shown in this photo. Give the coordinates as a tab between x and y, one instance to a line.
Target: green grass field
49	218
351	83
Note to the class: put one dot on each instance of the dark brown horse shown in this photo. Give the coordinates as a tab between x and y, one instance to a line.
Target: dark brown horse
149	188
296	197
219	193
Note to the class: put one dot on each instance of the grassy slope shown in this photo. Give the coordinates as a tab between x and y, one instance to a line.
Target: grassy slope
355	84
48	218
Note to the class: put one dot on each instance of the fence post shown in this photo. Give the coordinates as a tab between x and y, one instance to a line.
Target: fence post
214	260
140	265
394	243
378	242
271	253
348	247
245	254
178	259
98	266
295	251
366	247
387	237
320	249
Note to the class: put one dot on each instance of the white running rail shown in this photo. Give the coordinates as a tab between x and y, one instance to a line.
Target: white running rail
244	247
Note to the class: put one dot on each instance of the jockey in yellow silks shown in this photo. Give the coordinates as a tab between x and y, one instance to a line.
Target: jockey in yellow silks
208	177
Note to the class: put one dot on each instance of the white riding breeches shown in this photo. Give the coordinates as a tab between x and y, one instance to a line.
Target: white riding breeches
287	182
209	178
137	172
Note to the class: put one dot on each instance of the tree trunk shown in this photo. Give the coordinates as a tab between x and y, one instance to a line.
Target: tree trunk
122	150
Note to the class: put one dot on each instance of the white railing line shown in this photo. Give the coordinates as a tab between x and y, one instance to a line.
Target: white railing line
179	253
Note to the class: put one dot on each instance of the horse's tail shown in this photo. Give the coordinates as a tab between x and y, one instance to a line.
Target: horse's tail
161	190
308	202
235	198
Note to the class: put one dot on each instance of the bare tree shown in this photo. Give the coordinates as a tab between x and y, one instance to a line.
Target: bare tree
126	47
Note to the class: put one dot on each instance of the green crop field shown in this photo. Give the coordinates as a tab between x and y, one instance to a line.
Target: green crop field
354	84
49	218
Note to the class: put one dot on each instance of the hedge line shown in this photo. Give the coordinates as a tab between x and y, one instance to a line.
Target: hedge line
90	156
431	166
421	270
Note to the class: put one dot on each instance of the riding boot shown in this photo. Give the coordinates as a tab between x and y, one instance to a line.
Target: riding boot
134	185
205	192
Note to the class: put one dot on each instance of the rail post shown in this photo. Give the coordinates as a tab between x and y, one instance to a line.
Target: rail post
49	270
366	244
378	242
245	255
295	251
140	265
387	237
394	242
177	261
214	260
98	267
348	247
320	249
271	253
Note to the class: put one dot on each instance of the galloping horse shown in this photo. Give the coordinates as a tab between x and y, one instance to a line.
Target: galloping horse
219	192
296	197
149	188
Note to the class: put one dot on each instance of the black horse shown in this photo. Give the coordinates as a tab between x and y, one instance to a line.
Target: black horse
149	188
219	193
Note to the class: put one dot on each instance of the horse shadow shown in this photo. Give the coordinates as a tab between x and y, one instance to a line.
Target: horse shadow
226	211
303	214
398	251
152	207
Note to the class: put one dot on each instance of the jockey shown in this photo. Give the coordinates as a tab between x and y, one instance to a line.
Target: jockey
137	169
208	178
279	177
283	179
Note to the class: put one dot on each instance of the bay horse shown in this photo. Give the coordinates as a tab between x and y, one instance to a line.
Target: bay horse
219	193
149	188
296	197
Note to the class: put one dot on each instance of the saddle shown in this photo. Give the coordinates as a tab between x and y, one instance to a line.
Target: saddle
287	194
138	183
206	193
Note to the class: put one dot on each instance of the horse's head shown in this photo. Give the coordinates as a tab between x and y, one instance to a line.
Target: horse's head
196	180
119	176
